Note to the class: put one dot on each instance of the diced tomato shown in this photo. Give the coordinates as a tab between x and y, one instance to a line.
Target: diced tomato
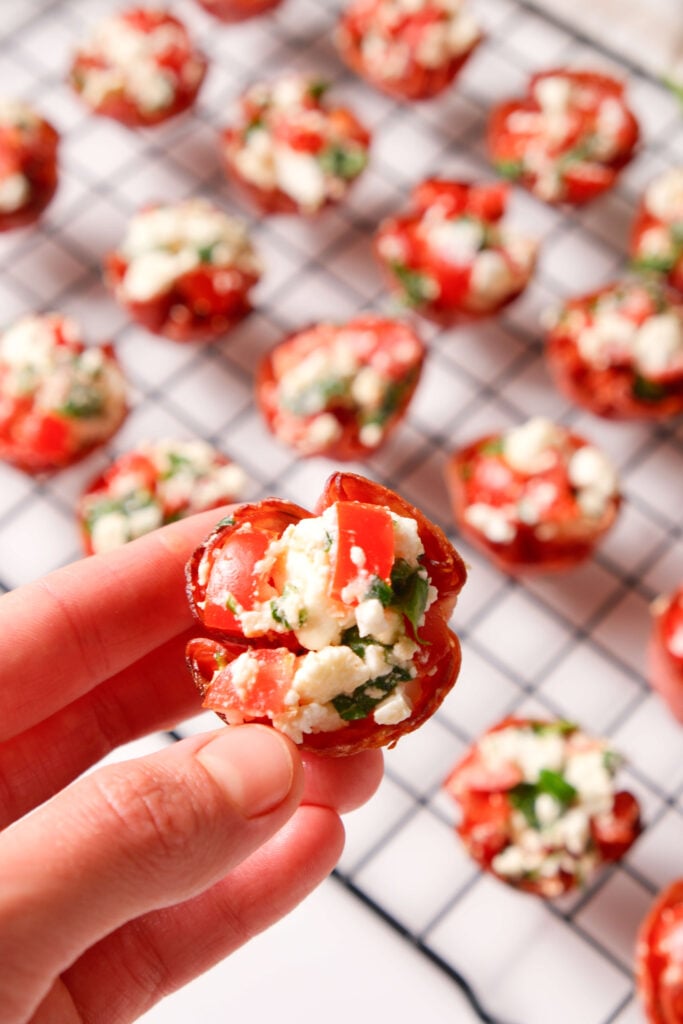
261	689
614	832
50	438
584	181
232	572
370	529
298	137
198	289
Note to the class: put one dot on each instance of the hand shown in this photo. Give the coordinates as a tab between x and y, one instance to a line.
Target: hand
139	876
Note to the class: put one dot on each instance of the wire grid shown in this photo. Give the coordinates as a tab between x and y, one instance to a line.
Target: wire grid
572	646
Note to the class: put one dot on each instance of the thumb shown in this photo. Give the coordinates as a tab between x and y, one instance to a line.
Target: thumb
131	838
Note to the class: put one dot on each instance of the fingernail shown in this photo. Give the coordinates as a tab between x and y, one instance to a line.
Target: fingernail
253	764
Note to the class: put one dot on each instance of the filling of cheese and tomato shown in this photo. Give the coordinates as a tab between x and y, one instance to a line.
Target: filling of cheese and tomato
287	141
396	33
660	246
159	482
533	475
577	125
630	325
499	261
346	370
350	587
44	364
18	125
560	781
143	55
165	242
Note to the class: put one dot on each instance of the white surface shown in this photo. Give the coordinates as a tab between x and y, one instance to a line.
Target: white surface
571	646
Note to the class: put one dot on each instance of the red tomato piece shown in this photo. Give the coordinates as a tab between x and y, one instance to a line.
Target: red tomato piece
597	361
392	47
340	390
368	529
359	505
657	235
162	80
659	958
449	257
499	788
536	519
567	139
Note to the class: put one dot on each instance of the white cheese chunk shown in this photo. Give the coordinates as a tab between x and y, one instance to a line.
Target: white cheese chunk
394	709
531	447
658	344
15	190
664	195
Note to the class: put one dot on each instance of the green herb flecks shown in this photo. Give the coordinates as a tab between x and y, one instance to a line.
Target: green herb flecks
523	796
317	89
125	506
656	264
365	698
411	591
648	390
560	726
278	615
82	402
225	521
494	446
343	161
317	396
205	252
380	590
511	169
417	288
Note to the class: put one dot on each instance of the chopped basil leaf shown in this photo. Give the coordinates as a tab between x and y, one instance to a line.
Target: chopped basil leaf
494	446
205	253
82	402
523	799
512	169
278	615
411	590
381	590
556	786
360	703
317	89
231	604
328	541
561	726
648	390
358	644
254	125
225	521
612	761
416	286
318	395
660	264
343	162
125	506
391	400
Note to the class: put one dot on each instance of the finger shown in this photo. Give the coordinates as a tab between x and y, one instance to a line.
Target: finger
132	838
129	971
342	783
155	693
81	624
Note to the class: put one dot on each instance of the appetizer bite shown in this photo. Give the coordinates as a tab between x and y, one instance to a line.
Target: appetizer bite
152	485
659	958
339	390
665	652
58	398
412	51
139	67
536	497
28	164
449	257
539	806
567	139
290	149
185	270
330	626
618	351
238	10
657	236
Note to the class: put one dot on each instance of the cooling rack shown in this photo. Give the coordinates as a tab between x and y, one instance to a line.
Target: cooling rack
571	646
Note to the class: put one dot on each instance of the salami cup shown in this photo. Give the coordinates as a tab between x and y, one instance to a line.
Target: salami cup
332	625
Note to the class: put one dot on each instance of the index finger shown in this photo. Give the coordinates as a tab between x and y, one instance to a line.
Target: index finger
71	630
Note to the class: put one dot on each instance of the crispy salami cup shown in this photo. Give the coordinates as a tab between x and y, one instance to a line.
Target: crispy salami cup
138	67
657	235
539	806
536	497
340	390
618	351
410	51
184	270
59	399
28	164
332	625
449	257
665	651
238	10
290	149
151	485
659	958
567	139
